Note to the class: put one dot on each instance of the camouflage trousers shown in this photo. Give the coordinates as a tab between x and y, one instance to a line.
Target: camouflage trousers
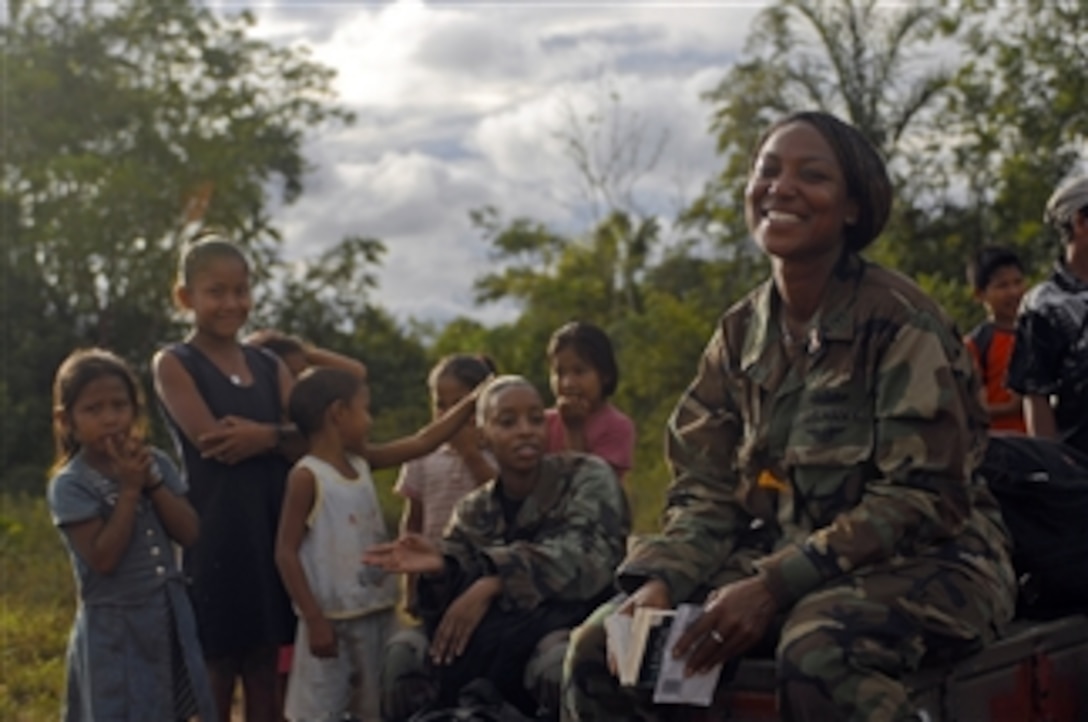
409	683
842	650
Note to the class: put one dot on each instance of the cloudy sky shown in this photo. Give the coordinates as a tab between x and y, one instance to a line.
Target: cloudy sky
459	105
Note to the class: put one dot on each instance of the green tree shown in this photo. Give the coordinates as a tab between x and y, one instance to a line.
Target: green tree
596	277
126	124
1017	124
858	59
326	301
1012	127
322	297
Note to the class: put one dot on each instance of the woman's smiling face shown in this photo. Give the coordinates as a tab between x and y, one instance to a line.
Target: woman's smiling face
796	200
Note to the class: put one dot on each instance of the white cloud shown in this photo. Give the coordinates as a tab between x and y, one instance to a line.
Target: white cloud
458	105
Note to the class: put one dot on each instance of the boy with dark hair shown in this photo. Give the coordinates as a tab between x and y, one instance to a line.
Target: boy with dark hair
330	515
996	275
1050	362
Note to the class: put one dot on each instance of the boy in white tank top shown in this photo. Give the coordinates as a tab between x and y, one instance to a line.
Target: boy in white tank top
330	515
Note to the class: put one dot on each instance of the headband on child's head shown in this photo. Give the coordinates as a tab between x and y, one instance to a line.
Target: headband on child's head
493	388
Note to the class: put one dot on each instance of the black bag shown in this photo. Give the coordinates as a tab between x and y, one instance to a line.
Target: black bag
479	701
1042	487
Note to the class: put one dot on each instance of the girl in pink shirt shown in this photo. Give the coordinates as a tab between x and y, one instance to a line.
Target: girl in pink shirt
432	485
583	375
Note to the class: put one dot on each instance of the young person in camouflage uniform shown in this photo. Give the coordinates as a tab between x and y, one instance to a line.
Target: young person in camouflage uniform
823	458
1050	360
529	553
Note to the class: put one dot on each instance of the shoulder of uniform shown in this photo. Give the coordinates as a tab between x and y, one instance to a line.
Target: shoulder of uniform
899	293
569	464
743	308
479	497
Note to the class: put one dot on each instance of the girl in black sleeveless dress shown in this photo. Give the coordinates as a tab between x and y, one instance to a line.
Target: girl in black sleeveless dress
225	406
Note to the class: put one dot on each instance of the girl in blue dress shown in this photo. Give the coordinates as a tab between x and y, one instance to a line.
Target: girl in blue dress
120	507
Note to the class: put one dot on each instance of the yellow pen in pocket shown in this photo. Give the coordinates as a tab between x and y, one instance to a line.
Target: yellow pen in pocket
767	480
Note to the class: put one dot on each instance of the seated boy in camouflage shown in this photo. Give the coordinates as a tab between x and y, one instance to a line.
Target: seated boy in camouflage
527	555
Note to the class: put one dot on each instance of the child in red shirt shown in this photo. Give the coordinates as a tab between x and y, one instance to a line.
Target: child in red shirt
997	276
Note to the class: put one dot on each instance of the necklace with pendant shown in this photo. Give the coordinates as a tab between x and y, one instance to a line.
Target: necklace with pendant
235	379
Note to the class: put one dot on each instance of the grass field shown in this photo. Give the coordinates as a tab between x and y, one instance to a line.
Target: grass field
37	596
37	601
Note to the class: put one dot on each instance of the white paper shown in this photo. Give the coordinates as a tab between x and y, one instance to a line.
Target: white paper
617	629
673	687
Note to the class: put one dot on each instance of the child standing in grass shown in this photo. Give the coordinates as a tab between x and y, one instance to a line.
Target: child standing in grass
133	653
330	516
299	356
225	404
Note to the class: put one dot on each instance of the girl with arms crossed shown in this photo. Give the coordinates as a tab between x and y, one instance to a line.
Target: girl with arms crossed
225	405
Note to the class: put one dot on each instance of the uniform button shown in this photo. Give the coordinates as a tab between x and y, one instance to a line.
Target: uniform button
151	532
160	570
154	551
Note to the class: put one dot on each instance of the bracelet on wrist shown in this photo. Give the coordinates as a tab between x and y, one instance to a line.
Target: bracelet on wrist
149	490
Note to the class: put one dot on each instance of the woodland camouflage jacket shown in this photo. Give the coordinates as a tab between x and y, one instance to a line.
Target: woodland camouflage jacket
852	450
565	543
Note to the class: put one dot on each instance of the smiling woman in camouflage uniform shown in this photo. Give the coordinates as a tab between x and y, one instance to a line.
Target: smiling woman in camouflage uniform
823	458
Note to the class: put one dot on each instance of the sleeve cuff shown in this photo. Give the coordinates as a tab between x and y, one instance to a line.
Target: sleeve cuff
789	575
518	590
630	576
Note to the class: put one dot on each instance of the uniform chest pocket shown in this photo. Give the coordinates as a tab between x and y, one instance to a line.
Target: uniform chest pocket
833	425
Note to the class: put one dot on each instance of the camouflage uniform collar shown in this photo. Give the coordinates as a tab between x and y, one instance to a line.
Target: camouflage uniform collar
553	467
834	320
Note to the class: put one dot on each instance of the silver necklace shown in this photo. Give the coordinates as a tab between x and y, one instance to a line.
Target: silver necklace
235	379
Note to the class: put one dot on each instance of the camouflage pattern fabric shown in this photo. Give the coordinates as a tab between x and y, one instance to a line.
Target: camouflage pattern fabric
844	649
544	673
565	543
556	561
590	690
407	682
837	464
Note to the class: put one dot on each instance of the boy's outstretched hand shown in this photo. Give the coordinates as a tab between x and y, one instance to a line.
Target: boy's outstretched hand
411	553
